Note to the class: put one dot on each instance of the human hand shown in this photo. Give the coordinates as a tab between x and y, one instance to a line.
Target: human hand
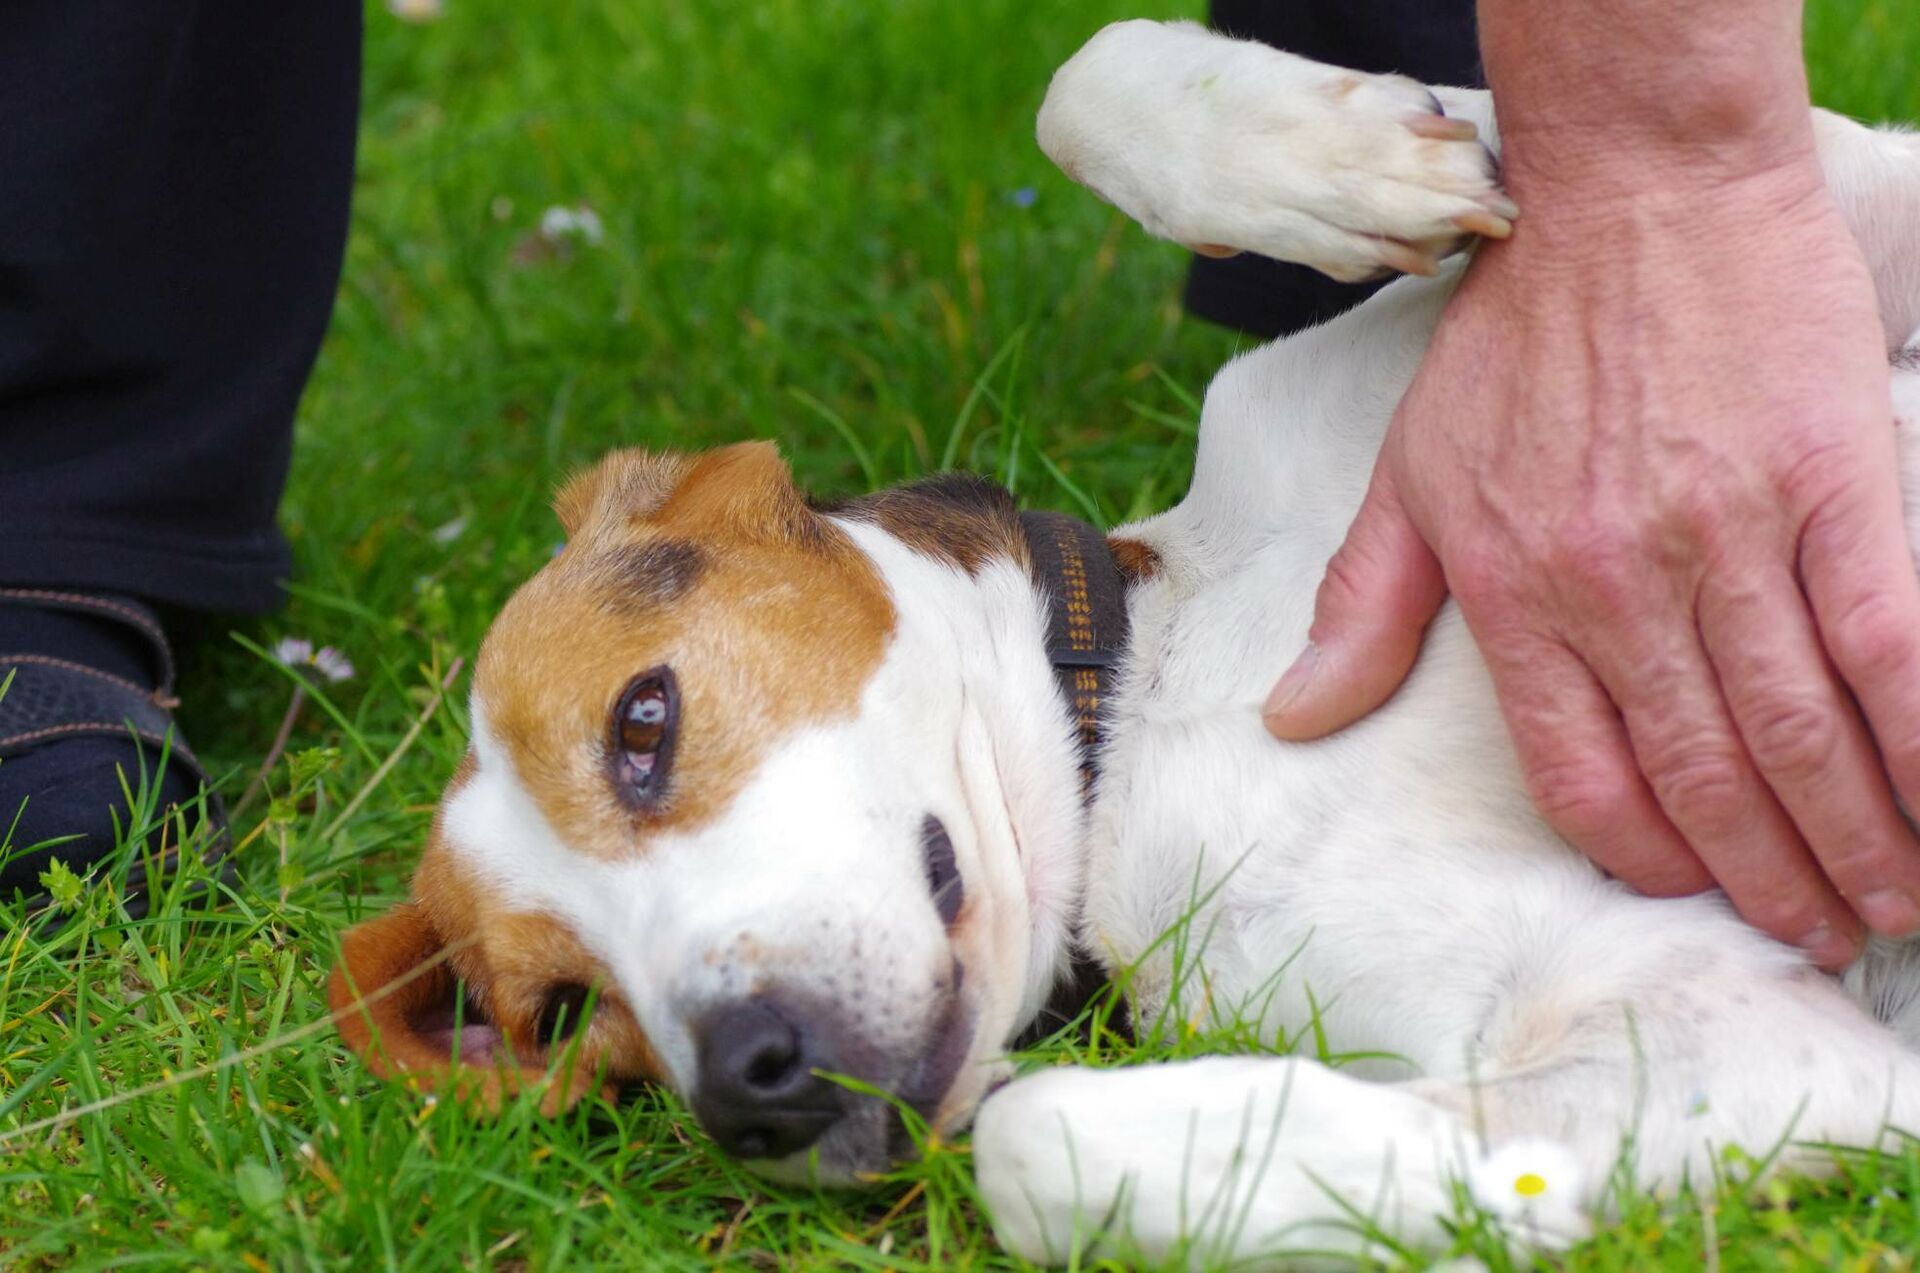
1650	453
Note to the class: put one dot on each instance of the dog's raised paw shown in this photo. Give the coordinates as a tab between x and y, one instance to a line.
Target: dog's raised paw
1236	146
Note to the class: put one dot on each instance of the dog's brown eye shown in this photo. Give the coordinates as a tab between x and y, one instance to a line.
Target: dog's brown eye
560	1016
643	724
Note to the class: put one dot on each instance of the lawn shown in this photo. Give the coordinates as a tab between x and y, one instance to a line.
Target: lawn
824	223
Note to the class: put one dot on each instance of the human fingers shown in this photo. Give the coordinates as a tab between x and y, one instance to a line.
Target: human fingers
1810	745
1580	768
1691	753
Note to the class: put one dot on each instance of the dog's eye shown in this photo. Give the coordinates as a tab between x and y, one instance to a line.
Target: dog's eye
643	723
943	871
561	1014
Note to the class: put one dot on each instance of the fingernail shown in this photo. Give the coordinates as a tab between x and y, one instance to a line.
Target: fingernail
1828	948
1890	912
1293	682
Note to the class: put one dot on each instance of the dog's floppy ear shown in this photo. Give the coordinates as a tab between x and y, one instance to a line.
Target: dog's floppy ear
744	491
395	998
626	485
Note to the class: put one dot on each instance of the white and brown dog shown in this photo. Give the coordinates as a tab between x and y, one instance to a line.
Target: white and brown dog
796	789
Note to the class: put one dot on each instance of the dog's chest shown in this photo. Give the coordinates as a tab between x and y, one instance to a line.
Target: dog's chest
1213	846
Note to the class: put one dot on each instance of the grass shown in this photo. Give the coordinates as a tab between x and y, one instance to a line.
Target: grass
826	223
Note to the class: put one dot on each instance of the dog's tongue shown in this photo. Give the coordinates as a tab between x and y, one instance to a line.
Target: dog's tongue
479	1042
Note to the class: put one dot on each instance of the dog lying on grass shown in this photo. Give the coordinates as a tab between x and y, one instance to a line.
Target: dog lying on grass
790	790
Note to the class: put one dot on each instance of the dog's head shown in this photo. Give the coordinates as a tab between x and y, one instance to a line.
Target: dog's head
716	787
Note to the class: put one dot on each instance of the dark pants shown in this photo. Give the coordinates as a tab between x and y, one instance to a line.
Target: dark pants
173	199
1434	41
173	203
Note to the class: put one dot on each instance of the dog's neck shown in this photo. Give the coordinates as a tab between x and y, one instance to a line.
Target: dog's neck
1039	605
1087	622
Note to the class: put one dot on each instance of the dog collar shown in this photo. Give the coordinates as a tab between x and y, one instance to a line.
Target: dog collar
1086	622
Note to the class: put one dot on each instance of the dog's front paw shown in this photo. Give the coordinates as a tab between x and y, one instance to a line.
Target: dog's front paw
1210	1162
1226	145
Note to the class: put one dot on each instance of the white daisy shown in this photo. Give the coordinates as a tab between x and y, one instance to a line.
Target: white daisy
1531	1185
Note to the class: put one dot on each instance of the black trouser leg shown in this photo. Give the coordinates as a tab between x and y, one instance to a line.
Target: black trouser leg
1434	41
174	178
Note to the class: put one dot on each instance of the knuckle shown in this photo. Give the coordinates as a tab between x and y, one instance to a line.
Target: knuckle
1871	640
1901	755
1704	790
1480	576
1672	875
1818	473
1605	561
1787	913
1794	739
1345	583
1581	799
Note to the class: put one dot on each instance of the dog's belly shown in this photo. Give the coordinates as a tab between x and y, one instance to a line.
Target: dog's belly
1386	884
1382	884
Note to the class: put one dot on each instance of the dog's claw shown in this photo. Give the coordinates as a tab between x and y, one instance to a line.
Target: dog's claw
1407	258
1500	206
1217	251
1485	224
1443	128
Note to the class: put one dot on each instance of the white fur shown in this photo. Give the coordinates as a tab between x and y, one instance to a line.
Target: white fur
1392	883
1265	152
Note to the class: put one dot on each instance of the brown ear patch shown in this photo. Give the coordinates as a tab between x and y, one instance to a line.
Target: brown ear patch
1137	561
394	997
953	517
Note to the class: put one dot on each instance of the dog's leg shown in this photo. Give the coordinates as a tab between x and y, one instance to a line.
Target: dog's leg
1875	175
1216	1162
1698	1048
1221	143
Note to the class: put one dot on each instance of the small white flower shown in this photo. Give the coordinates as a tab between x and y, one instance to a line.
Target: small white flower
294	651
578	222
449	531
299	652
332	664
417	10
1532	1185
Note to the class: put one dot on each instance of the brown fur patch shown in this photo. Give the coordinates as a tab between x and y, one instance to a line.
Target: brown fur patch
643	576
510	961
1137	561
782	627
953	517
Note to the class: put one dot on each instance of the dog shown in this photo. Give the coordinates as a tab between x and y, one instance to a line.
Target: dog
787	790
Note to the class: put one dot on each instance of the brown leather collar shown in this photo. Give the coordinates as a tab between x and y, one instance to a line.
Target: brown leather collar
1086	625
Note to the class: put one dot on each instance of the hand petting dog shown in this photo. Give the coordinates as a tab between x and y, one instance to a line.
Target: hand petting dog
1651	455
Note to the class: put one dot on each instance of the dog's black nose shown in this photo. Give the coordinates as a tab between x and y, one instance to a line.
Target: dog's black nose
758	1095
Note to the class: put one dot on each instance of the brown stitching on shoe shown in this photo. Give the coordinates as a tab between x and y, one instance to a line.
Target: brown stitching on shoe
102	606
47	660
106	729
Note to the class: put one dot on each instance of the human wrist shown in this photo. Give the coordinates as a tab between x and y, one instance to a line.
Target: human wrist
1625	94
